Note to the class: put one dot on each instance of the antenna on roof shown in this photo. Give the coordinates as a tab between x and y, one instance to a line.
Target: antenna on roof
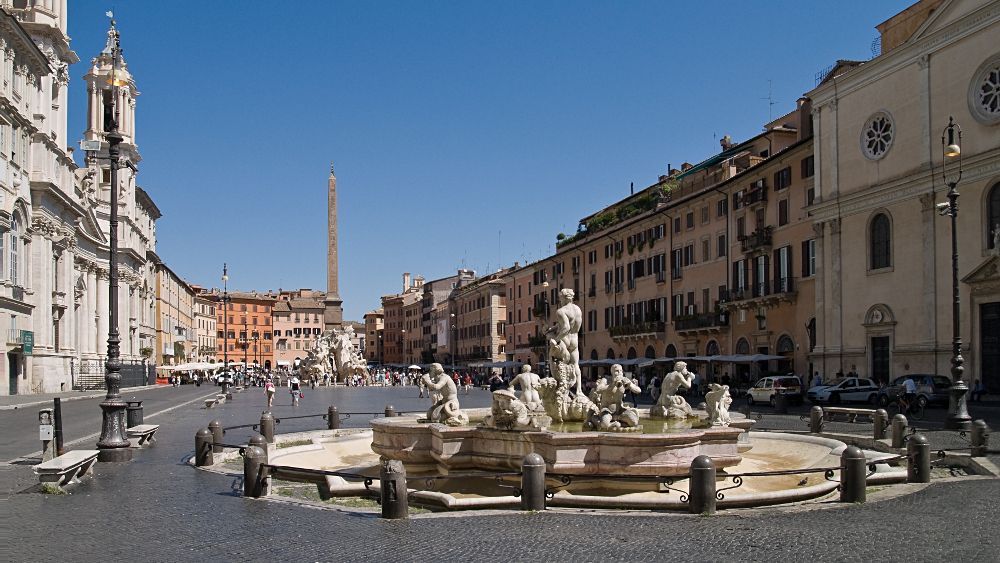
770	102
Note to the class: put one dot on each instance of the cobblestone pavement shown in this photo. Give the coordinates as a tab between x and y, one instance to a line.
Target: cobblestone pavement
156	508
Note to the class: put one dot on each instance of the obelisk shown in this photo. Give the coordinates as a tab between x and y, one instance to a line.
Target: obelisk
333	314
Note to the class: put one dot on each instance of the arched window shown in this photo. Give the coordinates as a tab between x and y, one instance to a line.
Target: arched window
993	217
593	354
671	351
742	346
880	241
611	354
650	352
631	353
712	349
785	345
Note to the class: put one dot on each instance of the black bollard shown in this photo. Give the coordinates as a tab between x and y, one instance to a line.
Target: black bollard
390	411
918	463
332	418
203	448
259	441
853	475
980	438
533	482
217	433
392	477
253	458
881	422
816	419
701	493
780	404
898	430
267	426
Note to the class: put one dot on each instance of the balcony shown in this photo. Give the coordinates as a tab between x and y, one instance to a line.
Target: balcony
757	240
638	330
13	337
631	284
17	293
661	276
767	292
757	195
701	322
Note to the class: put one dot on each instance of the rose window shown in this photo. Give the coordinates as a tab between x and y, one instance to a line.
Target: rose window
877	135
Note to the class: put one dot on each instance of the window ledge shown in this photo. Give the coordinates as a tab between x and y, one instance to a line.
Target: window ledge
881	271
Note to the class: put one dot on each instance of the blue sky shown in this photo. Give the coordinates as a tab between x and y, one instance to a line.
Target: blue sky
463	133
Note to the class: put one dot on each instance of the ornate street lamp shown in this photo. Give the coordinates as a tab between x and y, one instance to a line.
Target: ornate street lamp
113	444
225	331
951	140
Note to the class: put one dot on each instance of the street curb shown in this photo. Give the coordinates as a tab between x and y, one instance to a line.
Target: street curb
78	397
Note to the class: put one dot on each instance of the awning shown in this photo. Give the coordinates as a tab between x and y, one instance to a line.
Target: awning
505	364
284	363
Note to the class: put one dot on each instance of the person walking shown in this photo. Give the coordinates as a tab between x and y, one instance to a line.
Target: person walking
269	393
296	390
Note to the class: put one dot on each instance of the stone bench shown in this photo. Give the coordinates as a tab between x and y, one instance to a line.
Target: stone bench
143	432
218	400
67	468
851	413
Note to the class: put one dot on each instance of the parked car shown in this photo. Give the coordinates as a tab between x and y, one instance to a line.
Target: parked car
767	388
931	389
850	390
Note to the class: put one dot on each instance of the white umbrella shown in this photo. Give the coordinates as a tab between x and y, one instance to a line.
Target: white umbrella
414	366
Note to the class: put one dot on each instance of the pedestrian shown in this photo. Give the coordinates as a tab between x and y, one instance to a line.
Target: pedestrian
467	382
817	380
978	390
269	393
293	385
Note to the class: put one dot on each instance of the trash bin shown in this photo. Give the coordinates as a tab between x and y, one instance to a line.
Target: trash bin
133	413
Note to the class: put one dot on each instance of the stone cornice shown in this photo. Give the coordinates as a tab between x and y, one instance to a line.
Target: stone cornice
982	166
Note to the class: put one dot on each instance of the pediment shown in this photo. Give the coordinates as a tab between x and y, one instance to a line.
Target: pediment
945	14
90	227
987	272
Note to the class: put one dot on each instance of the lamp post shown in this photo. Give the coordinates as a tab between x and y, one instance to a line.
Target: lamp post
256	351
454	341
113	445
225	331
951	141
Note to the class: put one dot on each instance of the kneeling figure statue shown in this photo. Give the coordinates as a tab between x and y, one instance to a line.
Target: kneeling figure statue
670	404
509	413
446	408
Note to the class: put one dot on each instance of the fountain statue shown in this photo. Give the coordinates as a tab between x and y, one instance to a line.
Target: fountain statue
529	392
445	409
509	413
564	356
717	402
613	413
347	359
670	404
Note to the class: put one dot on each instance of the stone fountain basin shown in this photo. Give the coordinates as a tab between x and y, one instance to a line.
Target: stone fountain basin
433	448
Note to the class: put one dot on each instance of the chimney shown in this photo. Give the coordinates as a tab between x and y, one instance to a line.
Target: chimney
805	107
406	281
686	166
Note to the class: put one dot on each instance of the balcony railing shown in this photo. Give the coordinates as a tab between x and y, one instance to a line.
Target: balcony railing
13	336
631	283
701	320
638	328
661	276
760	289
759	239
676	273
17	293
758	195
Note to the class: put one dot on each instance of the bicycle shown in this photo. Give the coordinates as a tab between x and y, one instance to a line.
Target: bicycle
901	405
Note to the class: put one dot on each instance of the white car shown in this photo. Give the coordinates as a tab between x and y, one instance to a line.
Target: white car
850	390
